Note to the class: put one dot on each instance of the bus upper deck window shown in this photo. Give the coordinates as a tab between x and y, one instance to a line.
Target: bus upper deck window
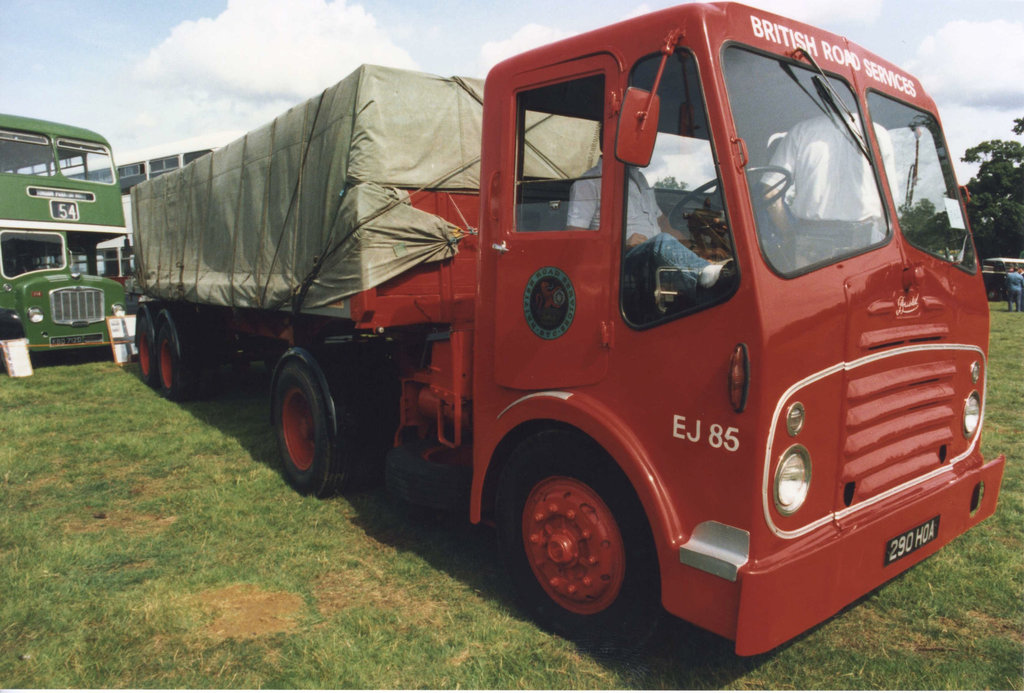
26	154
85	161
813	186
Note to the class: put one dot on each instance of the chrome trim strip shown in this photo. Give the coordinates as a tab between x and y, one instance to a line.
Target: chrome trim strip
849	366
557	394
717	549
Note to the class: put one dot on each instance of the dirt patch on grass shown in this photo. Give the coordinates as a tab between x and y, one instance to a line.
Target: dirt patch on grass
346	589
245	612
126	521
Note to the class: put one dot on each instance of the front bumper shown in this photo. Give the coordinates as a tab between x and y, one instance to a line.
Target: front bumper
784	594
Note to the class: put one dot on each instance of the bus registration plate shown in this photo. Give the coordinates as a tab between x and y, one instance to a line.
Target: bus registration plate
910	541
76	339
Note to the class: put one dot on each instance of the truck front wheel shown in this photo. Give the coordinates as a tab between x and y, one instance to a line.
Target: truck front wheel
311	448
577	544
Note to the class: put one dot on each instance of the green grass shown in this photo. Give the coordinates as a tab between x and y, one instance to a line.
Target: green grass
146	544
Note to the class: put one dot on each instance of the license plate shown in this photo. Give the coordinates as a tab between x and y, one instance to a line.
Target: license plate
910	541
76	339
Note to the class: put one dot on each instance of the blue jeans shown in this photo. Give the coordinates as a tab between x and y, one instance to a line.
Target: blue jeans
664	250
1014	298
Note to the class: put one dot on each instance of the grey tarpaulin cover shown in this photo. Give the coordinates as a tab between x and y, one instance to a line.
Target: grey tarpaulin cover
308	209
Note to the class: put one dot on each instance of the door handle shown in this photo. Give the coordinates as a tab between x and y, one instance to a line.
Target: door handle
500	247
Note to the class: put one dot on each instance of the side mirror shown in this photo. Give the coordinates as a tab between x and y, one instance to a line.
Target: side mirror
638	127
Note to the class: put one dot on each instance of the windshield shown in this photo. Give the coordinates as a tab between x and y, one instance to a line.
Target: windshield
85	161
921	174
813	188
26	154
23	252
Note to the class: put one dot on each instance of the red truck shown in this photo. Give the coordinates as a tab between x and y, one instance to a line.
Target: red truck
652	302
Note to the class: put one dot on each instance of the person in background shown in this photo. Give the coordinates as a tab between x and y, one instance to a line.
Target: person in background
1014	289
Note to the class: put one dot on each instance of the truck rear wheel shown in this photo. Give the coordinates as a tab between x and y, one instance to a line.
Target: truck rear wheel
178	379
312	446
145	342
575	539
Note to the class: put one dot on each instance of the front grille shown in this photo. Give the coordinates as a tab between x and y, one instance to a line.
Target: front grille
76	305
900	423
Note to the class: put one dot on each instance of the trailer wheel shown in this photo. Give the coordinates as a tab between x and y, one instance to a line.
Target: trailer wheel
312	450
576	542
145	342
178	379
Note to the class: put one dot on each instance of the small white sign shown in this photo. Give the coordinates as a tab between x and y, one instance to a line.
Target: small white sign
956	218
16	358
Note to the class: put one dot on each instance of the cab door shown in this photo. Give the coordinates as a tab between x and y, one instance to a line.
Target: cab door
553	273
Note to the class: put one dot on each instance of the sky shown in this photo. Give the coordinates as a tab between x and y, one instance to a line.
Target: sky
146	73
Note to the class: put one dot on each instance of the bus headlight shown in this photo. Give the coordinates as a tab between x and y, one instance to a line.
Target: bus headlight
35	315
792	480
118	310
972	414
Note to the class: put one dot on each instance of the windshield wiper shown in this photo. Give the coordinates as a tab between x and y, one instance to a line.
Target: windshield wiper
824	88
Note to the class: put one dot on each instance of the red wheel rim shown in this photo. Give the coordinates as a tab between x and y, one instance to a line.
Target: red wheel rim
297	425
166	364
144	364
573	545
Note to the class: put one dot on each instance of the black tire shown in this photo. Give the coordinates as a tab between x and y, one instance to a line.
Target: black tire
605	598
315	450
145	342
178	376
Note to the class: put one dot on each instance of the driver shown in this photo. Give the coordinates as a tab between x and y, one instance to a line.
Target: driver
833	183
649	236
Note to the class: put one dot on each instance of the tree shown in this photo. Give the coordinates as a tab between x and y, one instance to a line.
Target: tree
996	209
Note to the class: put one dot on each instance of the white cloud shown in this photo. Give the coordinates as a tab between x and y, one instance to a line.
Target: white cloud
530	36
959	65
251	63
260	48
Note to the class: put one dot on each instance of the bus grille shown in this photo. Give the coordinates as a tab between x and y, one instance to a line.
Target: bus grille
76	305
900	423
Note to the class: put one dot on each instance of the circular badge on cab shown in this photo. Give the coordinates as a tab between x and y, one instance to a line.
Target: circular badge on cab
549	303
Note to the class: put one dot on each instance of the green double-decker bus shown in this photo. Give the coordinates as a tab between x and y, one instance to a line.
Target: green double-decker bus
59	200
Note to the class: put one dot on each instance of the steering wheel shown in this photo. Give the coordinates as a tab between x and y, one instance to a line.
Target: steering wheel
776	241
677	216
769	192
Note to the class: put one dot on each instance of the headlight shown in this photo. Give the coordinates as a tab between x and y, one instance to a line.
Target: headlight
35	315
118	310
972	414
792	480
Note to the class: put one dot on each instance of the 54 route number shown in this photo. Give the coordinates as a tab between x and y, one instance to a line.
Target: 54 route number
715	435
64	211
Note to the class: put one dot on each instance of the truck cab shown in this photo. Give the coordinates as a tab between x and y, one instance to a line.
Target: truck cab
721	343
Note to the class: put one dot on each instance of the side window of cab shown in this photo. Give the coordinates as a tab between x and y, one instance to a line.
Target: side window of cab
559	150
677	246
